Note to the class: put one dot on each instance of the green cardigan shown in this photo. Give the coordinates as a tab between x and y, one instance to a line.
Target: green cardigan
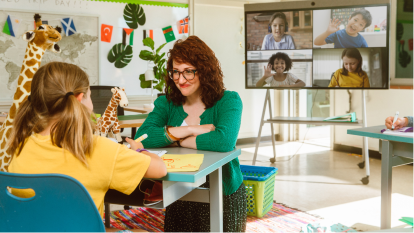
225	115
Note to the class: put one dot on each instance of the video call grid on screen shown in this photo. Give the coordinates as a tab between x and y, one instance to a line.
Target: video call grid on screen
349	52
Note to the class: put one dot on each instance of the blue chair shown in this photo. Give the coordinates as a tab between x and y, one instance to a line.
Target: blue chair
61	203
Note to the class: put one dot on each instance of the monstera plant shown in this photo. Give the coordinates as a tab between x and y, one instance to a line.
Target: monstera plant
134	15
159	65
120	54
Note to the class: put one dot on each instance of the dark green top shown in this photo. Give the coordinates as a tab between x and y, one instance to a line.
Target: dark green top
225	115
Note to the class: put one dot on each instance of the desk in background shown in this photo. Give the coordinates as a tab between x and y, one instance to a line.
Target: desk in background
137	110
184	186
131	121
396	151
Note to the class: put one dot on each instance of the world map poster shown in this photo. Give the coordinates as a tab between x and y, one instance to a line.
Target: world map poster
81	48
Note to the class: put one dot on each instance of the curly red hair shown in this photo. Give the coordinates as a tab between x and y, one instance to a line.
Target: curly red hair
195	52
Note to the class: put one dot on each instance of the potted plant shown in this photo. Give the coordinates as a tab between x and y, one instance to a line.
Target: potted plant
156	64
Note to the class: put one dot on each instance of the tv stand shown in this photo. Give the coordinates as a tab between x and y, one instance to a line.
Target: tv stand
314	121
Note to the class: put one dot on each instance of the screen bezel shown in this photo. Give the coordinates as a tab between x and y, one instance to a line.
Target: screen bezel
317	5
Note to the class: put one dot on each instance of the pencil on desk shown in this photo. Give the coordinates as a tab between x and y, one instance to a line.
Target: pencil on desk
142	138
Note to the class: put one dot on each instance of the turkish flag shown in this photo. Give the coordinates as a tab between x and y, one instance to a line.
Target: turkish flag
106	33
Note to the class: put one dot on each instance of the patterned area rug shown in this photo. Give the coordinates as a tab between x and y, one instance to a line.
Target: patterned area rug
279	219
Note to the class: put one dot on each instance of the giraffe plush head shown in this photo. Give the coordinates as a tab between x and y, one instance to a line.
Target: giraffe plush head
44	36
120	96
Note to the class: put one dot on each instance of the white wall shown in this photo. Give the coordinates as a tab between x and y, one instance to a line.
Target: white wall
380	104
219	24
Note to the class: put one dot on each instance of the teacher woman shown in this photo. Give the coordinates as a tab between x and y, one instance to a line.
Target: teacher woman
197	112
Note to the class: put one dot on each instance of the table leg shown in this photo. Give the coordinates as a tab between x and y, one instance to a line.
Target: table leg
386	183
216	201
107	215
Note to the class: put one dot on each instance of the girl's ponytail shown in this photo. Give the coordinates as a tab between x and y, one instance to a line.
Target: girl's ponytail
73	130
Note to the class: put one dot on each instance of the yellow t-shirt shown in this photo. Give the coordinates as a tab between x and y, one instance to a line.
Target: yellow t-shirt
111	166
350	80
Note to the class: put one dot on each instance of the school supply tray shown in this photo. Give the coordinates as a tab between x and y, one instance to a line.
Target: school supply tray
260	184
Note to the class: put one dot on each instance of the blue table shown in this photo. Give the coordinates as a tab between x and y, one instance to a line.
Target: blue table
185	186
396	151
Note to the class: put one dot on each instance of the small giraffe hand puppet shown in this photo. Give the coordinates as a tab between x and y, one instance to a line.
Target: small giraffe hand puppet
108	123
41	39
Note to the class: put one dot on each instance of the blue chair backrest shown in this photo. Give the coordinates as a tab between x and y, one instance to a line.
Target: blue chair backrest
61	203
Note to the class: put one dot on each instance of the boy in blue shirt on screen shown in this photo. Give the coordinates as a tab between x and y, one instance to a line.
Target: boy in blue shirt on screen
348	37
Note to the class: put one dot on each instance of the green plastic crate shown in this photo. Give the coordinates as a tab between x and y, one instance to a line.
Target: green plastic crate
260	184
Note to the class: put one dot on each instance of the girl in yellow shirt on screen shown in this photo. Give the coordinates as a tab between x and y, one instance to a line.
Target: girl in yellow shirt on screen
351	74
52	133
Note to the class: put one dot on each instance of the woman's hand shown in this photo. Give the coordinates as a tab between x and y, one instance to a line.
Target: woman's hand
399	123
268	71
333	25
134	145
202	129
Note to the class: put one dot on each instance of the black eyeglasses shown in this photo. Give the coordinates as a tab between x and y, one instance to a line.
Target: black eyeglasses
187	74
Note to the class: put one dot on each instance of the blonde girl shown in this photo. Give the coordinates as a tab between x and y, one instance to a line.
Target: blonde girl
52	133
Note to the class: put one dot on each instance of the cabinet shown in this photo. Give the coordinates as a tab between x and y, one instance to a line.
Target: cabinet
300	20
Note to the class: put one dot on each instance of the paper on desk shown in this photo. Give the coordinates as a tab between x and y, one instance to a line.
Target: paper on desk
183	163
405	132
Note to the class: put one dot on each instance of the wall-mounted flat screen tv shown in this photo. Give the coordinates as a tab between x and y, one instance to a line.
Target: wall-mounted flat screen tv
320	44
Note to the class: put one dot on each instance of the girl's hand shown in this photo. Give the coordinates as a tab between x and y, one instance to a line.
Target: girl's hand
268	71
399	123
333	25
202	129
134	145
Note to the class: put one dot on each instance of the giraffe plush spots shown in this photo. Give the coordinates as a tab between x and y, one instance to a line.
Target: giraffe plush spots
43	38
108	123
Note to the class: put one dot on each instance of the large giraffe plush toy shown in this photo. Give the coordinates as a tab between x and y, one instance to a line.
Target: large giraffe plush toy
43	38
108	123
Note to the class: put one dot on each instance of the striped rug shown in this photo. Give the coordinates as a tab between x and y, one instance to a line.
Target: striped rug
279	219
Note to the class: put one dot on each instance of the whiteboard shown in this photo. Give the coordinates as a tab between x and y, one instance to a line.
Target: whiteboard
111	13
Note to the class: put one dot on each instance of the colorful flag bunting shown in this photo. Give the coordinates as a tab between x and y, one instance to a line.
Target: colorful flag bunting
68	26
128	35
148	33
151	34
106	33
182	25
11	25
168	34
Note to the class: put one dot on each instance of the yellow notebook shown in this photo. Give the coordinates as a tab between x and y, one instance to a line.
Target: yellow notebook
183	163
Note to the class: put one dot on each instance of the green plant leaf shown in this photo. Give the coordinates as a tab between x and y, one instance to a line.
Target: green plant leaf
157	58
146	55
146	84
161	63
160	56
120	54
159	48
134	14
160	85
148	42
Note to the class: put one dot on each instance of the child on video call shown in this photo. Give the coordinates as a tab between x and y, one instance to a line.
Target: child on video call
279	62
278	39
348	37
351	73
